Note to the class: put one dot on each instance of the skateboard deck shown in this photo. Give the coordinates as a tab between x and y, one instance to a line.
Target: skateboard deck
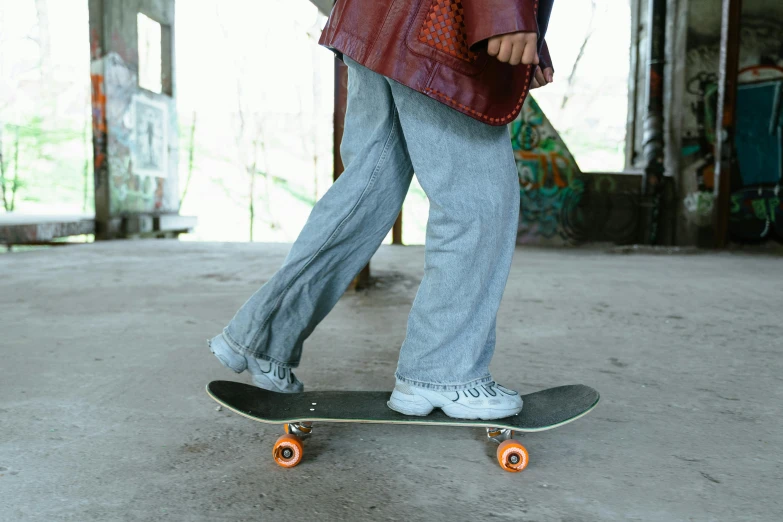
543	410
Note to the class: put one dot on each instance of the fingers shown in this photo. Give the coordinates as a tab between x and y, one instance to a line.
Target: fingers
516	54
506	50
549	74
493	47
530	56
540	77
514	48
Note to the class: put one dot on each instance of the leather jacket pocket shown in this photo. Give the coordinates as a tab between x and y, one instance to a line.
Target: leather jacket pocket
438	32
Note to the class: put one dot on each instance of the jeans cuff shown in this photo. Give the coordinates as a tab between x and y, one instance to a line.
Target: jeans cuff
248	352
444	387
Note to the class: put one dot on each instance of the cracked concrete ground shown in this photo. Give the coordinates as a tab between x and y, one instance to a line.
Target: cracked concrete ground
103	414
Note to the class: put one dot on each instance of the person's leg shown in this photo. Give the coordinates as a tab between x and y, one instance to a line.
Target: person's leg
343	231
468	172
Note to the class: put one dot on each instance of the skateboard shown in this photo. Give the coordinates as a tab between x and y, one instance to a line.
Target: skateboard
543	410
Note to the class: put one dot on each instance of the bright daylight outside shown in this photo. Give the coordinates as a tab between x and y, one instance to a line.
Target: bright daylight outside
255	101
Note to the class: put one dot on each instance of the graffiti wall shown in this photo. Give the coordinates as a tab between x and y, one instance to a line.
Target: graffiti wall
132	137
551	185
560	205
134	130
756	206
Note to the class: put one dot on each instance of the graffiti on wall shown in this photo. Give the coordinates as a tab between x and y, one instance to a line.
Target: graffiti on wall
559	204
98	104
130	135
551	185
149	121
755	205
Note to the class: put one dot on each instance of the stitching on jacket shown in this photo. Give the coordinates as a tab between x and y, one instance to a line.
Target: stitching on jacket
464	108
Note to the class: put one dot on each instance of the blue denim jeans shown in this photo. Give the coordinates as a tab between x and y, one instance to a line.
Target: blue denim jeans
468	172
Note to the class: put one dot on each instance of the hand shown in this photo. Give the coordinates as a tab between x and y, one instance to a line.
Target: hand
542	78
514	48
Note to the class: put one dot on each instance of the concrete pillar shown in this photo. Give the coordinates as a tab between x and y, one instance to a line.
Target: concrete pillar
135	133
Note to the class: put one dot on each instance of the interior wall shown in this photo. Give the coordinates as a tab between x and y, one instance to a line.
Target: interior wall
756	211
690	95
559	204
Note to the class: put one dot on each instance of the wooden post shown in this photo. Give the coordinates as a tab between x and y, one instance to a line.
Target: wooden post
726	159
340	104
397	230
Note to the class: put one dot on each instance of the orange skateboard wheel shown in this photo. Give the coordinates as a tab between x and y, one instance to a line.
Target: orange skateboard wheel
512	456
288	451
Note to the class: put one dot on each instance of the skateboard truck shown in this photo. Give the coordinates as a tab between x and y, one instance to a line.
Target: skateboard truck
300	429
499	434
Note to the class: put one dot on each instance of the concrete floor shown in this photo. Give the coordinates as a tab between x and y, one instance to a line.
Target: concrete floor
103	414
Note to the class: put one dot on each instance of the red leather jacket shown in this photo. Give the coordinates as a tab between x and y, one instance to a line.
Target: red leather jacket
438	47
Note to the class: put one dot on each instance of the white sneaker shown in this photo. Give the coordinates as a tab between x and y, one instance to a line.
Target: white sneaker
266	374
486	401
270	376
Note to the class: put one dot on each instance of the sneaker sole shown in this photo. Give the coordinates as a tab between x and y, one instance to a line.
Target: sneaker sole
458	411
265	383
410	404
416	405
